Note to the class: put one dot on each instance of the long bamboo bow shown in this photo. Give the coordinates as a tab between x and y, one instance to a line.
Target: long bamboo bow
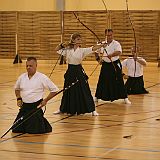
134	33
99	41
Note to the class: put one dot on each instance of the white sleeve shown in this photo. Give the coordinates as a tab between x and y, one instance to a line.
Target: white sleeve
118	47
124	63
87	51
48	84
142	59
17	84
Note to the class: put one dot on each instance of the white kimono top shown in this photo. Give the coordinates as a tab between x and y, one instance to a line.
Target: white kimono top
134	69
32	90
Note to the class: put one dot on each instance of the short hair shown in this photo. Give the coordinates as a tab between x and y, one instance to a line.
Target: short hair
31	58
108	30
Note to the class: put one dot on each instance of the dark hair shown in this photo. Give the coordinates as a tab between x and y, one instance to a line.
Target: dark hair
31	58
108	30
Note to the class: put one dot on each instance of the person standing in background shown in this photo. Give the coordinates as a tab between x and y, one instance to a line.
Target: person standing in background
110	85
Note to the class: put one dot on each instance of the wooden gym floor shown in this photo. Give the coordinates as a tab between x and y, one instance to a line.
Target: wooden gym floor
120	132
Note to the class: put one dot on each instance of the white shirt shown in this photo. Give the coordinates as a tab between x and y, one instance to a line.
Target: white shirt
75	56
129	63
32	90
112	47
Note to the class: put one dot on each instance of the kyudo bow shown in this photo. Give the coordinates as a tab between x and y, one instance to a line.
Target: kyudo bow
24	118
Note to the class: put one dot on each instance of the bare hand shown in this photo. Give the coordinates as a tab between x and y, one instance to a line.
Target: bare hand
42	104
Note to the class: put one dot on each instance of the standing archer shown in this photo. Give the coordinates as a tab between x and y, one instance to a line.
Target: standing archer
77	99
110	85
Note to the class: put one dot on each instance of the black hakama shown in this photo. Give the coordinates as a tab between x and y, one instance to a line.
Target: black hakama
135	85
77	99
36	124
110	85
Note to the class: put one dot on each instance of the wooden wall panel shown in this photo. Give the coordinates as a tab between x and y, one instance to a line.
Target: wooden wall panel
7	34
40	32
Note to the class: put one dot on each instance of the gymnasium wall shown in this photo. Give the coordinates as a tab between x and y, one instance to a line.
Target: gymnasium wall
36	26
50	5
